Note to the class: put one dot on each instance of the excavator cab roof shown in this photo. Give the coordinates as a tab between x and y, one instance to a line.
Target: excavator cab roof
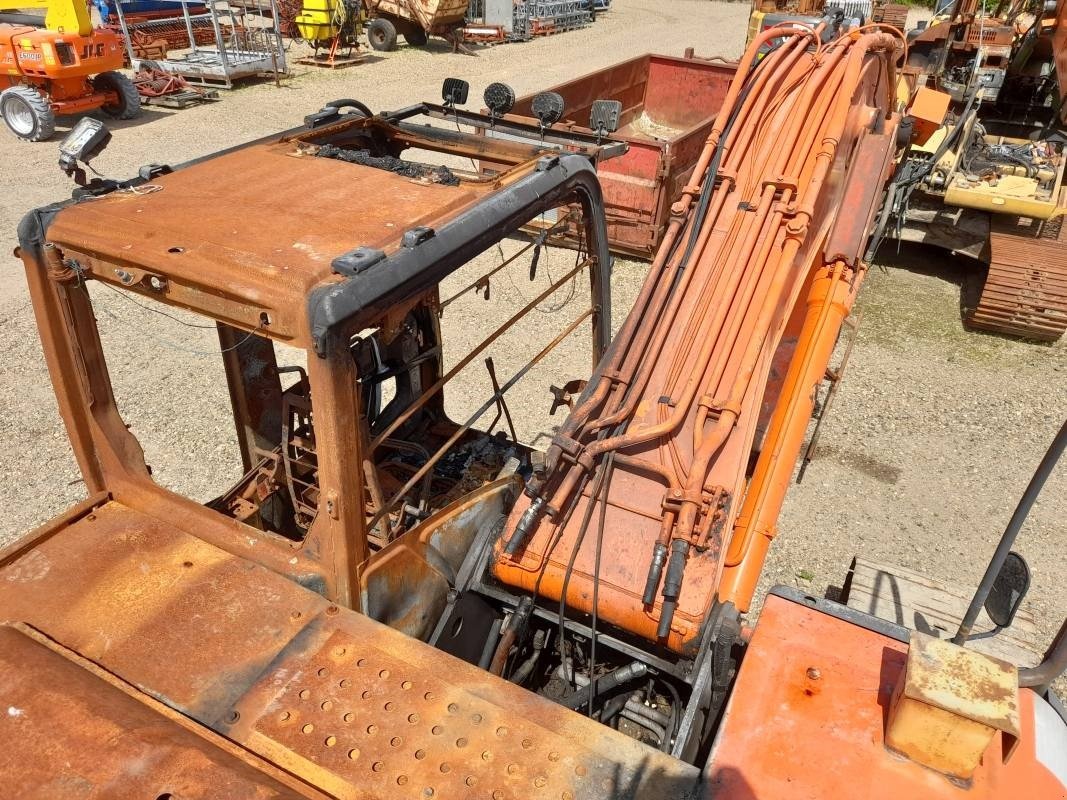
256	230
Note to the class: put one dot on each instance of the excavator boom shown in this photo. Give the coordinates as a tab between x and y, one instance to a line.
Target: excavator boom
714	369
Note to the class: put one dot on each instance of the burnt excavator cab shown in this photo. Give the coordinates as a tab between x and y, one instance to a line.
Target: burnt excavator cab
373	446
328	319
367	477
232	644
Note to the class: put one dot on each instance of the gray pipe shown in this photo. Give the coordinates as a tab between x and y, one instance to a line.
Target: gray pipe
634	706
1054	664
526	668
1015	524
606	683
658	730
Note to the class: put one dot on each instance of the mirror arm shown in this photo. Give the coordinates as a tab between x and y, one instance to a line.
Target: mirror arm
1044	469
986	634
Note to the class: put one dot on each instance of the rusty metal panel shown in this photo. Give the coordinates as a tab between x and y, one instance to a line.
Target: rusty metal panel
209	267
364	706
405	584
189	623
67	733
236	646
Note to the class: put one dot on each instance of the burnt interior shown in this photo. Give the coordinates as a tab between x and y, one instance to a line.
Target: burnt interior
280	493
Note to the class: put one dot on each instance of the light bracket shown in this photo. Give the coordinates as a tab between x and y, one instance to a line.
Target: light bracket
86	140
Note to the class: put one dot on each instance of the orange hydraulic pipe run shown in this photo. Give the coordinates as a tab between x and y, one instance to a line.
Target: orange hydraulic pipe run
658	334
797	228
755	262
829	302
749	229
680	210
691	498
749	232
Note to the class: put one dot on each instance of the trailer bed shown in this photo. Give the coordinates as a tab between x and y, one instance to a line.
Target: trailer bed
669	105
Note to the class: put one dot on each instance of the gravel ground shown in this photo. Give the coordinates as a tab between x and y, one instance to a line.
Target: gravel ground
932	439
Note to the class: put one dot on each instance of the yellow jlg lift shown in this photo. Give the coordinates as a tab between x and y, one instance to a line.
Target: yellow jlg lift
65	66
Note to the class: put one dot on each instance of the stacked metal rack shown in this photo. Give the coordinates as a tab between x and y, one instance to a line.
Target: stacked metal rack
543	17
246	41
520	20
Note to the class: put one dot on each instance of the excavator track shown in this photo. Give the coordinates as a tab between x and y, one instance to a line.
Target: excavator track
1025	292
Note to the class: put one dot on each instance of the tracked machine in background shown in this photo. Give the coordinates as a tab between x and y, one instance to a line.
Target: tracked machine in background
989	182
982	172
385	602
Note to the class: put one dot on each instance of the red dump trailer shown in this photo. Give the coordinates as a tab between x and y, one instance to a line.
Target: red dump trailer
669	105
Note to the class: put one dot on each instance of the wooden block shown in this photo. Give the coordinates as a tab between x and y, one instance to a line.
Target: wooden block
923	604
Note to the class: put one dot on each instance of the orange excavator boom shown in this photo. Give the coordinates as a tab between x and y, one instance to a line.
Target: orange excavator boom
758	270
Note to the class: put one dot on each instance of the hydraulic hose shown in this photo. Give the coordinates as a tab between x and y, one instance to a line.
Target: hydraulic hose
631	327
606	683
703	229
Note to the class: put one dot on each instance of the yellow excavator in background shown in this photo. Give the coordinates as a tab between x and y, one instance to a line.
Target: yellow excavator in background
982	174
66	66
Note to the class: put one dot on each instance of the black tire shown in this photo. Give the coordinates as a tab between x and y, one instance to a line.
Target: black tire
28	113
381	33
128	105
416	37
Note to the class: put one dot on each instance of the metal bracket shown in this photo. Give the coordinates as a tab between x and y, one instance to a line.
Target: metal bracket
564	396
416	236
545	163
356	261
150	171
781	184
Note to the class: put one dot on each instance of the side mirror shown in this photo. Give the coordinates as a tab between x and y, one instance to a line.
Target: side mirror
1008	590
85	141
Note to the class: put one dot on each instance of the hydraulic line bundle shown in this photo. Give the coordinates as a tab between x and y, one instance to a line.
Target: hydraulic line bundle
680	450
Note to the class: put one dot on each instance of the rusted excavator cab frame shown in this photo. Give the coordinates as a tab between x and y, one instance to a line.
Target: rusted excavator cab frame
192	651
321	268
